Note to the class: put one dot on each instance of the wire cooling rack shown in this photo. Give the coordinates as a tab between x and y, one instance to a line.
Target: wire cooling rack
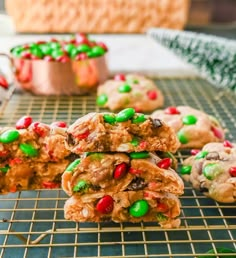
32	223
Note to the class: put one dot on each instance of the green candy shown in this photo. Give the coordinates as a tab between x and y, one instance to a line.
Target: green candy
46	50
161	217
83	48
185	170
17	51
74	52
33	45
139	208
81	186
210	171
135	81
5	169
125	115
182	138
189	120
220	250
139	119
69	48
139	155
96	156
102	100
9	136
135	142
57	53
124	88
54	45
28	149
97	51
109	118
201	155
73	165
36	52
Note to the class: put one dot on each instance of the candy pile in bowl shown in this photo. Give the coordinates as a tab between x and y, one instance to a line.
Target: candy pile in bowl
73	66
79	47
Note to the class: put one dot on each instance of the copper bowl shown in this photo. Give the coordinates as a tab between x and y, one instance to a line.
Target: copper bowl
43	77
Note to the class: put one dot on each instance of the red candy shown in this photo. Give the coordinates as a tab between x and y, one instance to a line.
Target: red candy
143	145
81	39
164	163
59	124
15	161
152	94
105	204
217	132
81	56
171	111
119	77
53	40
101	44
40	128
83	135
24	122
48	58
135	171
162	207
138	109
3	82
63	59
26	55
3	153
232	171
120	171
13	189
194	152
50	185
228	144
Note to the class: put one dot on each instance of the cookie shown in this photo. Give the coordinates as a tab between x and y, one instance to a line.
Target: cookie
32	155
130	90
194	128
126	206
213	171
116	172
126	131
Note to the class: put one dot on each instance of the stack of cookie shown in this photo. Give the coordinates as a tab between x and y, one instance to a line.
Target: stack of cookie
32	155
119	176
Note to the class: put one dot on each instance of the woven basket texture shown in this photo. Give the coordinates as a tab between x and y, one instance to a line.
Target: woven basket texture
96	16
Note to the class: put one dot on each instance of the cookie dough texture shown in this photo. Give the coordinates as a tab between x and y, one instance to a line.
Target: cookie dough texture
83	208
213	171
194	128
91	133
115	172
32	158
127	182
135	91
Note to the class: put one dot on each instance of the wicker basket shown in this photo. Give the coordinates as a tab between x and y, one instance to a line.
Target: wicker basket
96	16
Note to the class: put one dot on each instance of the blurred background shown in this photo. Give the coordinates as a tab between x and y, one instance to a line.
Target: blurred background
210	16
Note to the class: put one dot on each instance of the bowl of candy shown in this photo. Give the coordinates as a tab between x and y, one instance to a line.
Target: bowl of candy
74	66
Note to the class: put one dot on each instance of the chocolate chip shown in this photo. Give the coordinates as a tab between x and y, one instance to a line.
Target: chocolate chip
213	156
156	122
70	139
72	156
95	187
137	183
105	219
203	189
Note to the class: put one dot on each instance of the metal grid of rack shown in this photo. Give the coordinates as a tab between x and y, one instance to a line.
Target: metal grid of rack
32	223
